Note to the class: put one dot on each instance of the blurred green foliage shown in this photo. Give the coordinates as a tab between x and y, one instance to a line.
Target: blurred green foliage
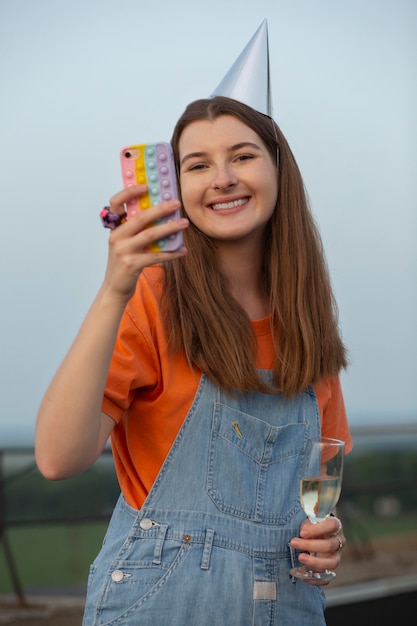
388	474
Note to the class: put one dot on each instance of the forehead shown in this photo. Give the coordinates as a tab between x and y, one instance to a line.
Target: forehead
224	131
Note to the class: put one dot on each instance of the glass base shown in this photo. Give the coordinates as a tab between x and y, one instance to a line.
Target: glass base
306	573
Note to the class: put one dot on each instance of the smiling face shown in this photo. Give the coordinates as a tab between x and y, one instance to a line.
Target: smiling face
228	179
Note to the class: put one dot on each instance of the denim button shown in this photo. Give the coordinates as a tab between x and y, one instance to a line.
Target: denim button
117	576
146	523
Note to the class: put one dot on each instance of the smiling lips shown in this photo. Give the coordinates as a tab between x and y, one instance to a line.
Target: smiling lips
229	205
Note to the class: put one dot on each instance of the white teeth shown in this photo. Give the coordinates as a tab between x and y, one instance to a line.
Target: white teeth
228	205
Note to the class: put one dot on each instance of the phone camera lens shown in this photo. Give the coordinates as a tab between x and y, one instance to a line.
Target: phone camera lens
128	154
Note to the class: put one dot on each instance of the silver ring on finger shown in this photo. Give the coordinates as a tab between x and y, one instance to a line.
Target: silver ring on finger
340	546
340	525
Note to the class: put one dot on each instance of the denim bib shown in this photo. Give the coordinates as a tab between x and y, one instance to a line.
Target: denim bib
210	545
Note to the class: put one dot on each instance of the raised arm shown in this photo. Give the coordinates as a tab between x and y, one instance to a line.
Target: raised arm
71	430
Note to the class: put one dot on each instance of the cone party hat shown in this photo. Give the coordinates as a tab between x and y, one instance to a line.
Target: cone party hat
248	79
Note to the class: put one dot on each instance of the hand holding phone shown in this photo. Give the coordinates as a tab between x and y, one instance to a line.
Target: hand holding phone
152	164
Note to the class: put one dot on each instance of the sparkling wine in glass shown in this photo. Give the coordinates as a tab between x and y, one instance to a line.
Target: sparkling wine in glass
320	487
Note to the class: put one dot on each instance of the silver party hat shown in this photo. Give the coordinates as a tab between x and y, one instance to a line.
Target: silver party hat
248	79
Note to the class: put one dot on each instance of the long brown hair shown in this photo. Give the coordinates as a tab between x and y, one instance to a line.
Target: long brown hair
200	314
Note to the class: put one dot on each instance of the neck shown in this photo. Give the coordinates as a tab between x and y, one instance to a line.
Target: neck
241	265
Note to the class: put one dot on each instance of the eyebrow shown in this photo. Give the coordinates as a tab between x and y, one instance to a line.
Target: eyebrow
236	146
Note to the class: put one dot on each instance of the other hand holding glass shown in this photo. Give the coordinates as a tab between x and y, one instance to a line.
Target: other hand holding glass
320	487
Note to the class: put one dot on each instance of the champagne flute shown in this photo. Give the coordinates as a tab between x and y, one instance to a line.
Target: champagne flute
320	487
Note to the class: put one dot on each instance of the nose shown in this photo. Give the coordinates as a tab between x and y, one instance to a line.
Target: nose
224	177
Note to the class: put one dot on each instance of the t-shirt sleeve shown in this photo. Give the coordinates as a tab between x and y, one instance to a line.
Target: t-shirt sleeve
133	366
333	411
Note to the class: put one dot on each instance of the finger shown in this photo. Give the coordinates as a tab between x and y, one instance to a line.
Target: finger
119	199
324	545
151	239
115	215
143	219
320	562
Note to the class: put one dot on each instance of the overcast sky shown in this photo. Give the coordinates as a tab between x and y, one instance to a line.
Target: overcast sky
81	79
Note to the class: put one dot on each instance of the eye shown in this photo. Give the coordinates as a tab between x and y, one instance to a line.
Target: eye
196	167
244	157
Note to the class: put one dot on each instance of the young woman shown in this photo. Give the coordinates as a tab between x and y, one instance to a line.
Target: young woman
209	368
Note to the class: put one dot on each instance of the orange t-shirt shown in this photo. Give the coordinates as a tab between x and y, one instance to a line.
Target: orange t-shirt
149	392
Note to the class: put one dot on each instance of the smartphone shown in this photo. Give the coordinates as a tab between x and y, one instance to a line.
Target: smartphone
152	164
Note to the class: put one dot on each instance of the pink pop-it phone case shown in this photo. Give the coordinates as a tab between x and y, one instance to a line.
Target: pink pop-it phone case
152	164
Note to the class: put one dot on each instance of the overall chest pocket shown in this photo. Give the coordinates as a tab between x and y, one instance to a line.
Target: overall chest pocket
254	469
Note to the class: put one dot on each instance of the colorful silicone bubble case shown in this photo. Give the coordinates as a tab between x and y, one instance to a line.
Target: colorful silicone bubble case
152	164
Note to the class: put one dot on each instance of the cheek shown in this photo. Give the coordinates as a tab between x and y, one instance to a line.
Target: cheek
189	195
271	196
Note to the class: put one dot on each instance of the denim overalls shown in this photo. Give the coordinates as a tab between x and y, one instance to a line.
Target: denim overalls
210	545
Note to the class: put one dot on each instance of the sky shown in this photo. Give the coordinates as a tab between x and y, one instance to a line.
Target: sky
79	80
